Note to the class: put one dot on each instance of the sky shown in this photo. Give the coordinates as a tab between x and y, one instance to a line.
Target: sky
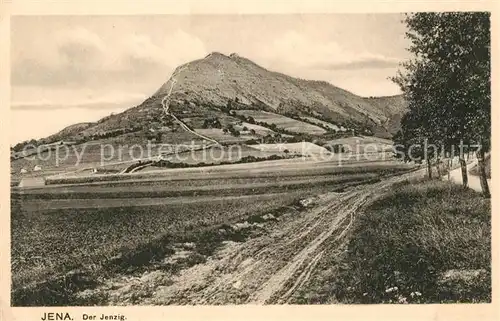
70	69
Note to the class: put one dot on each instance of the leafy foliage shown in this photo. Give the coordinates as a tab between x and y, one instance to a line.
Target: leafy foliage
447	83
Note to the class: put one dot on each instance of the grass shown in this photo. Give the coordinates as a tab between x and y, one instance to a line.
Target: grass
221	137
321	123
427	242
241	160
359	144
57	249
57	252
175	189
74	158
49	243
222	155
286	167
302	148
282	122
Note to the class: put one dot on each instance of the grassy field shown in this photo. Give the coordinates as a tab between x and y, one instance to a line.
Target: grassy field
259	130
425	242
303	148
75	158
49	242
221	137
124	148
58	229
358	144
282	122
52	242
104	194
284	168
322	123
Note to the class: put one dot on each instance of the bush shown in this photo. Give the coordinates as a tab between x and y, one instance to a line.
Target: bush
406	244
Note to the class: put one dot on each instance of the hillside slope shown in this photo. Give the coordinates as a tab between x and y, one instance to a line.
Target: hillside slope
218	78
206	86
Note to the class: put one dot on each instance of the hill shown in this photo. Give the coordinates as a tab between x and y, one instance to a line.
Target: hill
213	87
70	131
218	78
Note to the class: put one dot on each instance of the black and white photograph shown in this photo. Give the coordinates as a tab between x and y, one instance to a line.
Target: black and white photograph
250	159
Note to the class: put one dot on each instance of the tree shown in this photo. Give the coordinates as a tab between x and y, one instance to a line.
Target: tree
447	85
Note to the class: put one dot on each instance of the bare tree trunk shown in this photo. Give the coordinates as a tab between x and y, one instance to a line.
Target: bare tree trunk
465	179
429	168
450	166
438	168
482	173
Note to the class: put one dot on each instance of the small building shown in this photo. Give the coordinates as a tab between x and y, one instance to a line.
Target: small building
37	168
23	171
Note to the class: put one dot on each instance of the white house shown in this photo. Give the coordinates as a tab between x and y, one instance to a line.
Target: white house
37	168
23	171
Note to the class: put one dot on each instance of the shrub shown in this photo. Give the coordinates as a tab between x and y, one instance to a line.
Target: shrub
404	244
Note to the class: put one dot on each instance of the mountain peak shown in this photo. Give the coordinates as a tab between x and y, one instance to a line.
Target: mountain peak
219	78
216	54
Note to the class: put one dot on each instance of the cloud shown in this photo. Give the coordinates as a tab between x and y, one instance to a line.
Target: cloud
71	98
81	57
294	48
362	63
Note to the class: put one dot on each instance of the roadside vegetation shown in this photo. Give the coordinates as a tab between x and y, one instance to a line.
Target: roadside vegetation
420	242
457	119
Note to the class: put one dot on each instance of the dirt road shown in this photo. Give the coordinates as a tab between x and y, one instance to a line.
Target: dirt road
268	267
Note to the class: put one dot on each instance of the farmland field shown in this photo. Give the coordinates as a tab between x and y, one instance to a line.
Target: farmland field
59	228
259	130
324	123
360	143
244	130
111	195
75	158
334	165
124	148
218	154
221	137
304	148
48	242
282	122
